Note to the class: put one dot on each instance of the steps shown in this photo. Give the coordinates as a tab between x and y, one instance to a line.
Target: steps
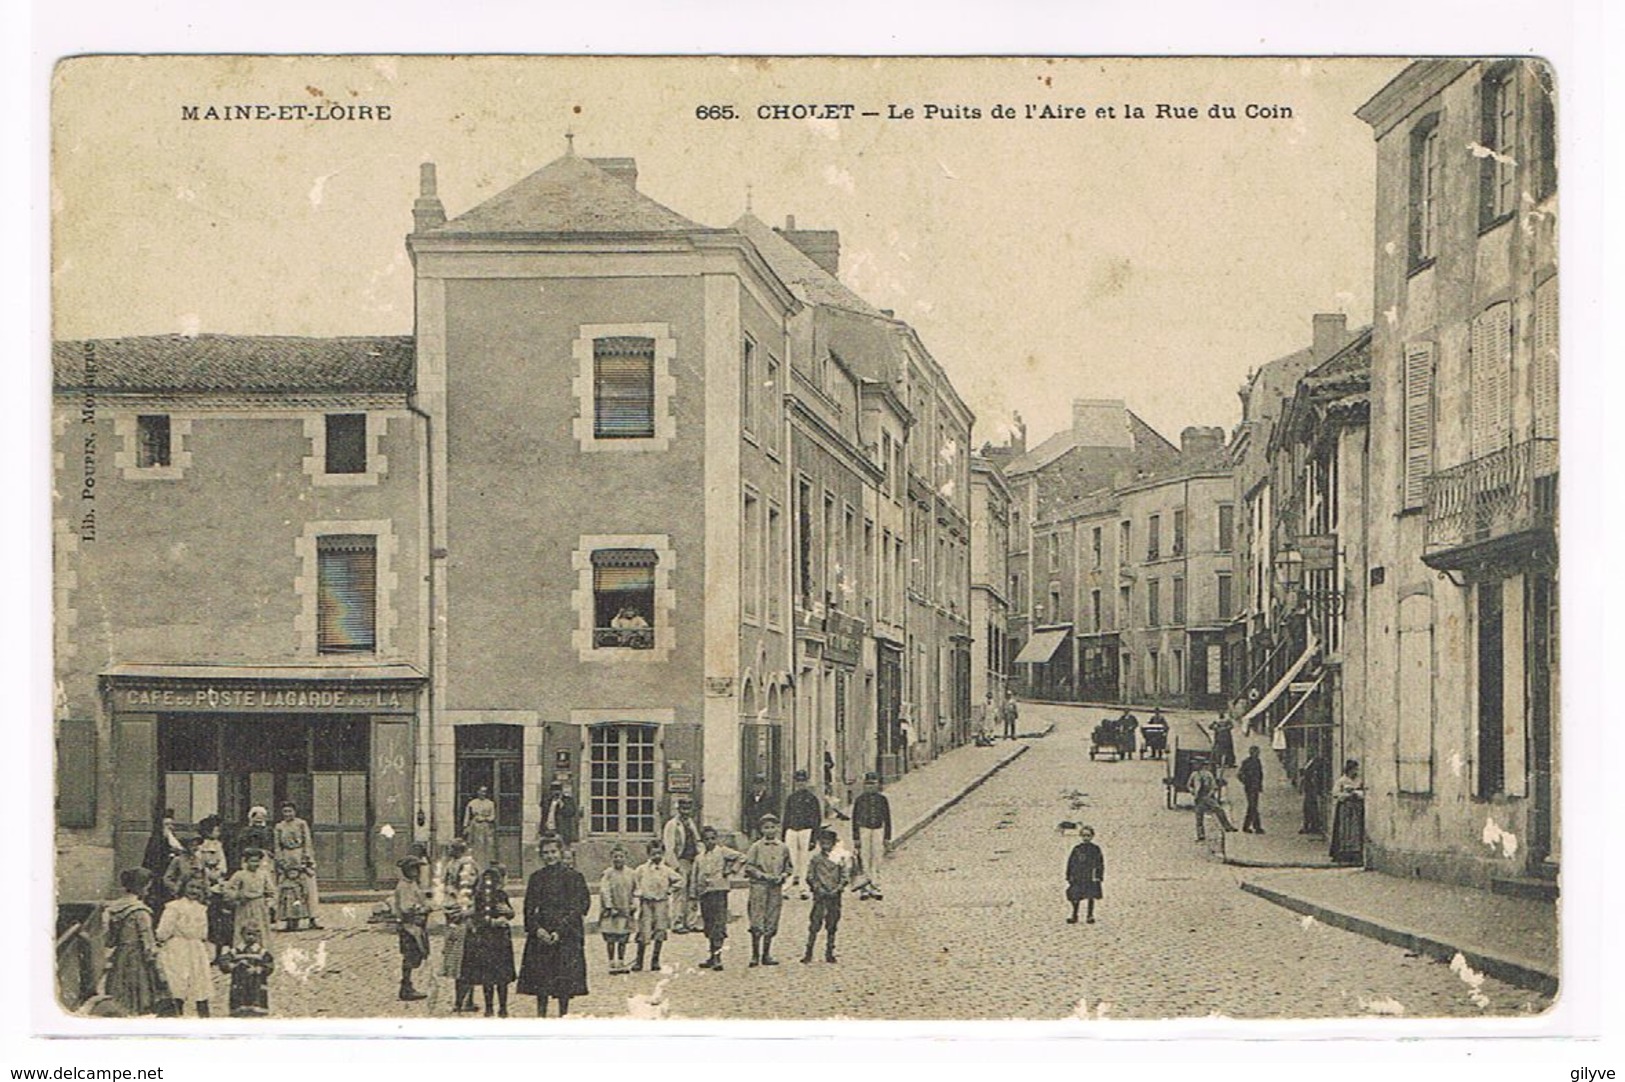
1533	887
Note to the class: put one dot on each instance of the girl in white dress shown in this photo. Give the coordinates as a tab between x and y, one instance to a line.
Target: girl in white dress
183	948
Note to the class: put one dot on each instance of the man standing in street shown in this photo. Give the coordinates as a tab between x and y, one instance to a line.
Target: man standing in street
871	832
1316	780
803	814
681	838
757	804
1204	786
1011	713
1251	774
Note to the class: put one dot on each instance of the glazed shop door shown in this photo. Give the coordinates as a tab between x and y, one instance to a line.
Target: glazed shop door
492	757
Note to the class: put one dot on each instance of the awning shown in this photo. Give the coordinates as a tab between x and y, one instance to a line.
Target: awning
1042	646
356	672
1286	678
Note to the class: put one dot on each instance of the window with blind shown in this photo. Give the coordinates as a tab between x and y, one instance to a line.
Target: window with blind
346	443
1424	194
347	593
1492	380
623	388
1418	421
623	587
622	786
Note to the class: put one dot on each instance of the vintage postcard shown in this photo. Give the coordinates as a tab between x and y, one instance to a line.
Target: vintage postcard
823	538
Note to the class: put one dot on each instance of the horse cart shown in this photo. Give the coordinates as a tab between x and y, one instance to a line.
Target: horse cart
1112	737
1181	765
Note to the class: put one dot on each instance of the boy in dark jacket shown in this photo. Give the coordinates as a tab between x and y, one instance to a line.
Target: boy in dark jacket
1085	872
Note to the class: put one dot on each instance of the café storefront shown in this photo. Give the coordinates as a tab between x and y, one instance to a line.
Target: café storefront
336	742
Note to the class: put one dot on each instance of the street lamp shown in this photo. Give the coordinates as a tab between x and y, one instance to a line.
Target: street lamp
1289	568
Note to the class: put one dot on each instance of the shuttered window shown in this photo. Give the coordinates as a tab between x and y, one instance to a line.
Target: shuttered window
346	443
1545	377
347	595
1414	735
1492	380
623	388
1418	422
76	772
1179	600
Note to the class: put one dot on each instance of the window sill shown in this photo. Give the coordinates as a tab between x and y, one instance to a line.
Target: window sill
1420	265
1497	222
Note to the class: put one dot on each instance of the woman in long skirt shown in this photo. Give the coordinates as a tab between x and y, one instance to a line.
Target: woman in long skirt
133	981
183	949
250	892
556	904
488	948
1348	816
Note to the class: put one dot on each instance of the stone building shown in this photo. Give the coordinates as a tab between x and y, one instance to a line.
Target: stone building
1461	680
989	599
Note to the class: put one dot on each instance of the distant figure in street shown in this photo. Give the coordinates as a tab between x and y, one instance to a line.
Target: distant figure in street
1155	731
827	878
654	883
1012	714
133	981
803	814
1315	781
713	877
488	951
871	833
1127	726
480	828
1224	742
410	909
1204	786
1085	872
1251	775
829	772
616	892
556	903
905	744
250	965
758	802
560	815
681	838
1348	816
767	866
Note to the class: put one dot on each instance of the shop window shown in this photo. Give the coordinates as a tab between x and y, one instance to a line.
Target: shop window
152	441
346	450
347	593
339	744
623	587
621	795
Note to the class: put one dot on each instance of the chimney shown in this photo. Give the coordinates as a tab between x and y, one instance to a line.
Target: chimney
427	213
1018	436
1101	422
622	169
822	246
1245	393
1201	441
1331	335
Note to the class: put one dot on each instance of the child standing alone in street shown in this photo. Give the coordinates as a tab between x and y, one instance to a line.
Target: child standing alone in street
616	890
1085	872
827	879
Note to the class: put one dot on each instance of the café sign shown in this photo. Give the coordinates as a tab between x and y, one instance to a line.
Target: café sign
277	698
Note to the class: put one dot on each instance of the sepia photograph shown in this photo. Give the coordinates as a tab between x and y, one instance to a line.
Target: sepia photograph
804	538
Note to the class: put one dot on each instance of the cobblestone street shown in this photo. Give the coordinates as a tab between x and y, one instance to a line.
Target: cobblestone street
973	926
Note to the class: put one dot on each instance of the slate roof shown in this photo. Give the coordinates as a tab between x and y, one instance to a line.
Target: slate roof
569	195
235	363
807	281
1142	438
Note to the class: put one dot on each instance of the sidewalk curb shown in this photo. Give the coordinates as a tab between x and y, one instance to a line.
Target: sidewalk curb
936	811
1502	969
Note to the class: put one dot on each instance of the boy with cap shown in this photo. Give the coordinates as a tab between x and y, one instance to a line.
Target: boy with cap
803	814
827	878
767	866
871	832
713	872
411	911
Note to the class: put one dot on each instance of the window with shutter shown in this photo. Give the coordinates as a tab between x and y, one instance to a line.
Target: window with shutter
623	388
1418	422
1491	380
76	772
347	593
1414	735
1545	378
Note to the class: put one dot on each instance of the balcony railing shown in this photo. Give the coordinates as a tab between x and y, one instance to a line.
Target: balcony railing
1507	495
623	638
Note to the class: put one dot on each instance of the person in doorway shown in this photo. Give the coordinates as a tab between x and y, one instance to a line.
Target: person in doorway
681	840
871	833
1204	786
560	815
184	956
655	882
411	908
767	866
488	950
616	891
713	878
554	965
255	834
758	802
295	869
1251	775
803	814
250	965
1315	780
1348	816
827	878
458	878
1224	742
1085	874
133	981
250	892
480	828
1012	714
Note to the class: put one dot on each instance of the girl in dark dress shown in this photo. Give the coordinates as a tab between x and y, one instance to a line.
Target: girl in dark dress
488	942
556	903
1085	872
